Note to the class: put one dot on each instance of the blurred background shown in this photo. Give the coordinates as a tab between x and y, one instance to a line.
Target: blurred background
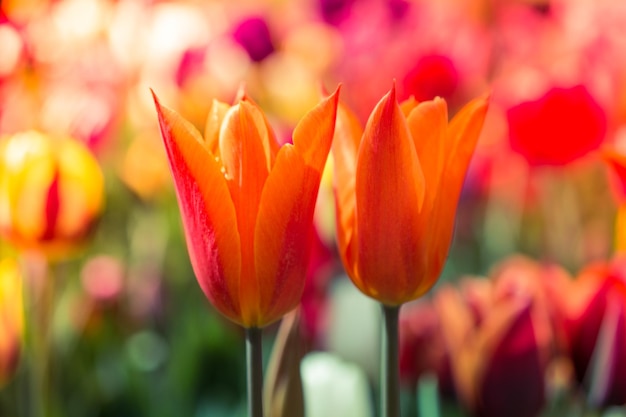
529	317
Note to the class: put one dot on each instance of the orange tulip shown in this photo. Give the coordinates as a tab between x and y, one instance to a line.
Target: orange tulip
11	318
51	192
247	204
397	184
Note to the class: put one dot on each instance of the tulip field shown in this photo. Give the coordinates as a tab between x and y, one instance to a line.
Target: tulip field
313	208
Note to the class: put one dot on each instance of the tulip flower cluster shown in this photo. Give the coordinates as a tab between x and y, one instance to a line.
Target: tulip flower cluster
508	340
421	189
247	204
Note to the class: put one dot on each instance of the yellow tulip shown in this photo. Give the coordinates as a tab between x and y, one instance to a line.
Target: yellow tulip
51	192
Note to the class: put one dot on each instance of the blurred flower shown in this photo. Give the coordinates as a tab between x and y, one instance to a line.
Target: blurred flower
13	54
247	204
422	350
595	320
495	356
11	318
557	128
333	387
102	278
254	35
334	11
315	297
616	161
432	76
544	284
21	10
431	48
397	190
51	192
144	168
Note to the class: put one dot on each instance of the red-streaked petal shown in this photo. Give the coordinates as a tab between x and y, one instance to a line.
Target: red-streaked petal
348	132
283	234
389	195
208	214
428	122
313	135
52	207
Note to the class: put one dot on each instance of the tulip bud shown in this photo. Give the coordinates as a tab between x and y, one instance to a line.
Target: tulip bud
496	362
11	318
51	192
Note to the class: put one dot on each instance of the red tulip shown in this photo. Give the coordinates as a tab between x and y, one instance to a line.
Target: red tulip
558	128
247	204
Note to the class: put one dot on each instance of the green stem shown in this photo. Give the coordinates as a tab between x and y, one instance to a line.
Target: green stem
254	369
41	309
390	369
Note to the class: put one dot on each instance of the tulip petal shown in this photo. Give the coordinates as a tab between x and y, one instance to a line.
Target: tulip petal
207	211
408	105
313	135
217	111
283	232
428	122
462	136
268	138
389	196
243	146
345	146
